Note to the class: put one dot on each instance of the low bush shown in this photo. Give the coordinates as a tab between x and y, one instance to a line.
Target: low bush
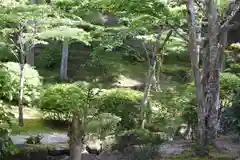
6	54
122	102
229	83
180	74
137	137
6	117
59	101
50	57
10	80
34	139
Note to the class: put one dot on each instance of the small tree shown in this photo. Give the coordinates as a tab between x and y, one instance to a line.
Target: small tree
22	40
64	29
77	101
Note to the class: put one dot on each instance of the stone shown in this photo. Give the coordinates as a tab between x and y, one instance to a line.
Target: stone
94	148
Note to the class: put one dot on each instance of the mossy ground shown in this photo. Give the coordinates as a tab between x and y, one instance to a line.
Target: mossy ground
39	126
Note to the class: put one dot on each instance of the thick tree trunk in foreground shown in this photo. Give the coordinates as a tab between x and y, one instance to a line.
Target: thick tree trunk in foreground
76	144
207	85
64	62
212	72
202	147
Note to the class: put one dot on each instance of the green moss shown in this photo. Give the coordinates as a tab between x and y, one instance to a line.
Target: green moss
37	147
37	125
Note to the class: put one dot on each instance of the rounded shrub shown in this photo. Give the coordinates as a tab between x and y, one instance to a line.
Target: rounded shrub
122	102
137	137
59	101
10	81
50	58
229	83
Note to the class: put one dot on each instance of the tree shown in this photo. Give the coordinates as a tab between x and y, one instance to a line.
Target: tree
63	29
22	40
146	21
77	102
207	81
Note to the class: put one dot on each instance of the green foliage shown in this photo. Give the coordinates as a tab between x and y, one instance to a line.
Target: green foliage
103	124
10	81
178	73
5	129
122	102
137	137
6	54
234	68
229	83
61	100
50	58
34	139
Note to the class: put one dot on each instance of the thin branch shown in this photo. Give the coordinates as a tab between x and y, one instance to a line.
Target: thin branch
147	54
198	3
165	40
235	9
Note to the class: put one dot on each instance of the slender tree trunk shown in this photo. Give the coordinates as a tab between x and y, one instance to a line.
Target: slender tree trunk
20	96
158	73
223	44
202	147
150	78
22	79
30	56
147	91
76	134
64	62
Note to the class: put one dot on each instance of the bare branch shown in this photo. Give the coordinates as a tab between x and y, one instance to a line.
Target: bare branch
235	9
146	51
165	40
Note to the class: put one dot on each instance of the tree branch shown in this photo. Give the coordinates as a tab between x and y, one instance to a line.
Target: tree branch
235	9
165	40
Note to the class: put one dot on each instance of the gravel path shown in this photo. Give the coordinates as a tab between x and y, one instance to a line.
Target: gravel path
48	138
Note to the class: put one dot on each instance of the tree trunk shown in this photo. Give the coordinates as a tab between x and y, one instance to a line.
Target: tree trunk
211	75
147	91
20	96
64	62
150	78
30	57
76	134
202	147
223	44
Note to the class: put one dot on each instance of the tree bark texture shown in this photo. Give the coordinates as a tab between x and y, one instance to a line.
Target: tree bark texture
151	78
212	72
76	133
20	96
64	61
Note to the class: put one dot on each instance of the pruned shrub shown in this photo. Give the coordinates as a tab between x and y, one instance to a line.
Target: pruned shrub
137	137
10	81
122	102
59	101
229	83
